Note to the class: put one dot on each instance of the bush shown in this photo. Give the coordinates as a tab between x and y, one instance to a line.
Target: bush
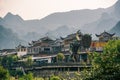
60	57
54	78
28	76
4	74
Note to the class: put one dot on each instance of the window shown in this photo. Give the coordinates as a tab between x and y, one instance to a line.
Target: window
24	49
47	49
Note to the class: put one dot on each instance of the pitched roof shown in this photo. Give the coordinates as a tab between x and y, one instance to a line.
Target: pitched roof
46	39
8	50
105	34
20	46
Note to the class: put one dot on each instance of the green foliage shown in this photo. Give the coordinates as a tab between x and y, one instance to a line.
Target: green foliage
28	76
0	60
7	61
17	72
55	78
86	40
40	78
29	61
75	46
4	74
106	65
60	57
21	78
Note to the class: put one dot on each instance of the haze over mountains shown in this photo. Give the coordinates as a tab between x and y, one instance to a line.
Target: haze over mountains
64	23
8	39
108	19
116	29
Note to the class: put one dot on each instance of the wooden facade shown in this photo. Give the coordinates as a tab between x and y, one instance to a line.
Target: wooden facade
44	45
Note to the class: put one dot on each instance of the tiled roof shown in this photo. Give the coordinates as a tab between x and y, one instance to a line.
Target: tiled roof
8	50
104	34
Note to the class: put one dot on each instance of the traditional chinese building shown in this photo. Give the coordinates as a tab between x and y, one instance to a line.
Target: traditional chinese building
103	39
21	50
68	40
105	36
5	52
44	45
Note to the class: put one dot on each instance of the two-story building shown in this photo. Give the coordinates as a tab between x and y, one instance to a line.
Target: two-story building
68	40
44	45
104	37
21	50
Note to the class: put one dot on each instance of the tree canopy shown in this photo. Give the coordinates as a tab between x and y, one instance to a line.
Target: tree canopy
106	65
60	57
86	40
4	74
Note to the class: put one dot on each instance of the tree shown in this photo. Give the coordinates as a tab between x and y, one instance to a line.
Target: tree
0	60
74	48
106	66
29	61
60	57
7	61
86	40
4	74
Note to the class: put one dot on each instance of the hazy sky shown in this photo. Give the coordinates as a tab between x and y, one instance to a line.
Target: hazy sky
37	9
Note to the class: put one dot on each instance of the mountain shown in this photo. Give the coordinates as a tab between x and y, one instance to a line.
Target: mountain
73	18
14	22
106	22
108	19
8	39
87	20
116	11
61	31
116	29
50	22
32	36
12	18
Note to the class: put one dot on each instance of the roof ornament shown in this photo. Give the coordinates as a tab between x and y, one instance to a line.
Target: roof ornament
78	34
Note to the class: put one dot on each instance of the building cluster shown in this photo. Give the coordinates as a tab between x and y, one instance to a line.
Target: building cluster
47	48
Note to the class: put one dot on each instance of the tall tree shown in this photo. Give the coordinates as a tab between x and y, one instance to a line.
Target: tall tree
86	40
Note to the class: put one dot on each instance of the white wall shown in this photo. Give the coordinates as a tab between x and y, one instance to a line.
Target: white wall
21	53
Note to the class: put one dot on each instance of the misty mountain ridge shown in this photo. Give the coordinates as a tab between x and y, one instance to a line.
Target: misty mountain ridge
73	18
106	22
63	23
76	18
10	17
61	31
117	9
8	39
116	29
